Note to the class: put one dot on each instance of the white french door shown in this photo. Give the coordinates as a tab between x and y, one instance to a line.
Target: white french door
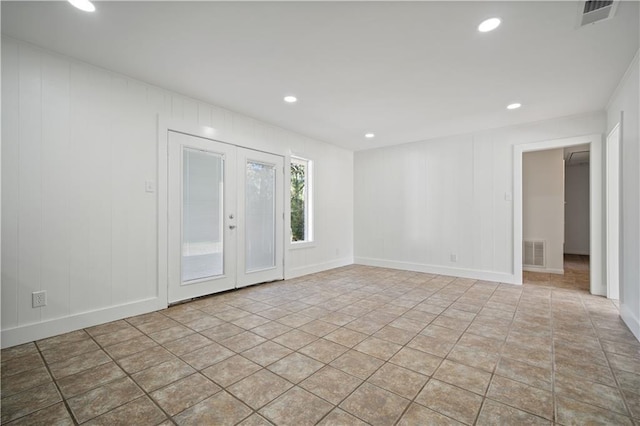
260	211
225	217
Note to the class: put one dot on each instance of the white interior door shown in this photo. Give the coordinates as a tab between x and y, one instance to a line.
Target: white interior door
613	212
201	201
260	178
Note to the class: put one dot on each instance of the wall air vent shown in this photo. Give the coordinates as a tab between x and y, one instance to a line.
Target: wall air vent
533	254
592	11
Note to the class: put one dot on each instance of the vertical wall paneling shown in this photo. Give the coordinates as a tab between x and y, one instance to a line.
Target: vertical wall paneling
576	232
465	185
483	165
190	110
204	114
79	144
543	204
625	103
228	121
176	107
502	220
217	118
120	193
55	180
100	160
157	100
30	179
415	225
464	192
10	182
81	284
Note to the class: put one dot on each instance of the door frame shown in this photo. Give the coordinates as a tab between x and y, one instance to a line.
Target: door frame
597	258
613	213
164	125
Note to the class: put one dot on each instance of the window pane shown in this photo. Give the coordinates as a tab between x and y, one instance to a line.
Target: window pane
202	233
260	210
298	200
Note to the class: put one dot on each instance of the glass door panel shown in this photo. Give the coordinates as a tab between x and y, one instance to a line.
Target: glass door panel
201	201
260	217
202	215
260	199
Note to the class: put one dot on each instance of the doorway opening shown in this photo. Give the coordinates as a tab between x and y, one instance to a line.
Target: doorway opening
576	216
556	217
575	266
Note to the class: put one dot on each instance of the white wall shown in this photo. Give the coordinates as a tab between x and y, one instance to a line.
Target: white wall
78	144
418	203
543	204
626	100
576	211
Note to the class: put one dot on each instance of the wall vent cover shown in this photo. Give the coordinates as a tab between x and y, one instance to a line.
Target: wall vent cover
533	253
592	11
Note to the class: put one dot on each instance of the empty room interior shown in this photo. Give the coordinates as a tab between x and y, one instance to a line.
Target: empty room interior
334	213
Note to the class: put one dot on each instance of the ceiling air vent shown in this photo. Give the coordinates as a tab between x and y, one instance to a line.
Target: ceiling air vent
592	11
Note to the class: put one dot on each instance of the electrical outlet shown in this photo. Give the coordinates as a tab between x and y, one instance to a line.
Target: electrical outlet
38	299
453	257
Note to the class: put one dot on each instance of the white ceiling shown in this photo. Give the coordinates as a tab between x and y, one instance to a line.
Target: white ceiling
406	71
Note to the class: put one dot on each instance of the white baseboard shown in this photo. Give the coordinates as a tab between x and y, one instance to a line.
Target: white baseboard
317	267
631	320
439	270
42	330
543	270
31	332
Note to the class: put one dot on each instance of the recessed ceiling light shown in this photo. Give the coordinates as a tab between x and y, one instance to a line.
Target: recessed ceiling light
514	106
489	25
369	135
84	5
290	99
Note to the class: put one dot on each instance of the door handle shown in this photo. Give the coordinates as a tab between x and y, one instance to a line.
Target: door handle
232	227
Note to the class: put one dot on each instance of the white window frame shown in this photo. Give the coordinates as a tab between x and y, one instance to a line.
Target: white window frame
309	240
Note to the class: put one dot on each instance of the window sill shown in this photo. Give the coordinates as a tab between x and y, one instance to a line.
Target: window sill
302	245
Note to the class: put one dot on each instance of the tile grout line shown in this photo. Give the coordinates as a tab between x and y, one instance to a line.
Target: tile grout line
55	382
128	375
615	378
363	293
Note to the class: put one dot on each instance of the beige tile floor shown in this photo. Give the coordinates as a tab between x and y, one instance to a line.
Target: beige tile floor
354	345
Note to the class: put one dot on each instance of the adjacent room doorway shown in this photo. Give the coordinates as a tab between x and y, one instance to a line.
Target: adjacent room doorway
597	257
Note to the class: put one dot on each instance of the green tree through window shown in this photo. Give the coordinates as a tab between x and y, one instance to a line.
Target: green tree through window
298	200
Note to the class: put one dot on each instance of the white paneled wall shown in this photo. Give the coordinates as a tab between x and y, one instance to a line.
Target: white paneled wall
625	101
576	231
78	144
543	205
444	205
